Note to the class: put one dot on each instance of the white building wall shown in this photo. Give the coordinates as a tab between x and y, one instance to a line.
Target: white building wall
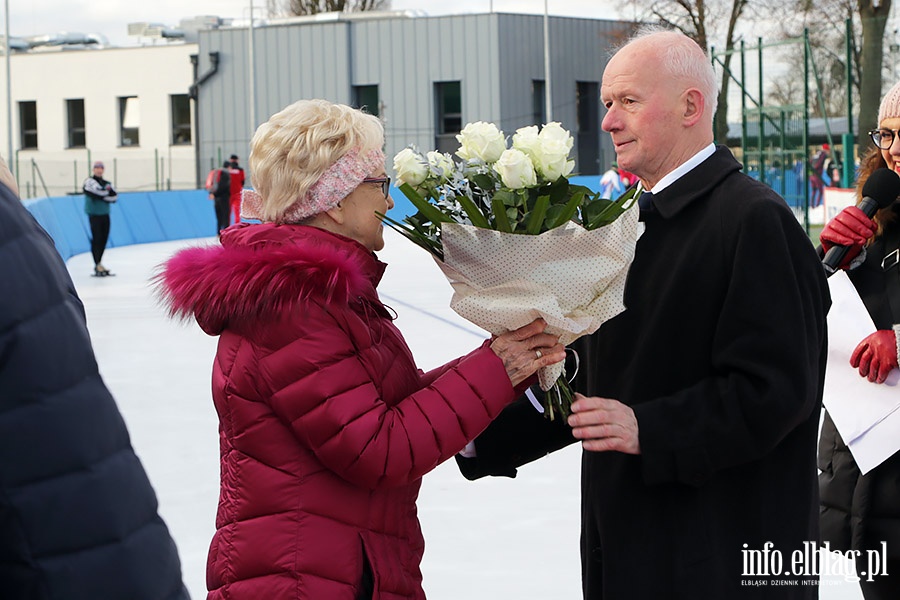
101	77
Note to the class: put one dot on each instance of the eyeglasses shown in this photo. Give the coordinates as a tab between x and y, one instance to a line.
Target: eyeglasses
884	138
384	181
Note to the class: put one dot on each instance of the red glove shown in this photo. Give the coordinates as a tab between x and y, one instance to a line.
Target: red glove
851	228
876	355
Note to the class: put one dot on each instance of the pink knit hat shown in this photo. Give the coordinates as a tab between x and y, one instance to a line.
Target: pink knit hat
334	185
890	104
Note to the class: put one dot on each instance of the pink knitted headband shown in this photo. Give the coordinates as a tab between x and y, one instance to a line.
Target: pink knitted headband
334	185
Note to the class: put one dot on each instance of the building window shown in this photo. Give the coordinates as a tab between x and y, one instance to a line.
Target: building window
587	109
366	98
448	114
587	100
75	123
28	125
181	119
129	121
538	101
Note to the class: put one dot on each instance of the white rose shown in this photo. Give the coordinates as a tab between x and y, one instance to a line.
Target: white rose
515	169
555	132
551	155
526	139
410	167
481	141
440	163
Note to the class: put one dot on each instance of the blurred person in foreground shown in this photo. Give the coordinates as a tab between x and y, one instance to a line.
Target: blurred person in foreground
326	424
859	512
702	399
78	516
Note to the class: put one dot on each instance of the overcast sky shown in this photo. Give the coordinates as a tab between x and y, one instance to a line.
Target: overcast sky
111	17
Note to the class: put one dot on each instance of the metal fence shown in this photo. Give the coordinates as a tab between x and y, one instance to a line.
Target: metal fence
43	174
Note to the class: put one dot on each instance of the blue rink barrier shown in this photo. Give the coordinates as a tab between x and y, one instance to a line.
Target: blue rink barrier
136	218
146	217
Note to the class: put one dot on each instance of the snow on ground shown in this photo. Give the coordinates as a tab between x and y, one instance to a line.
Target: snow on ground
495	538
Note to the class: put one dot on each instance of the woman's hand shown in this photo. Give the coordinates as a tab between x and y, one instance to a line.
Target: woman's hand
527	349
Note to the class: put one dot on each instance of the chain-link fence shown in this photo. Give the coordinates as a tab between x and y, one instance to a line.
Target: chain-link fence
45	174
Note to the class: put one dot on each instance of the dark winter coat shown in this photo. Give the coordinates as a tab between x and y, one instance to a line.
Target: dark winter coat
860	511
326	426
721	354
78	517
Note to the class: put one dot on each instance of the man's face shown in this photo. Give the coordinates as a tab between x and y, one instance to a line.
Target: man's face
643	111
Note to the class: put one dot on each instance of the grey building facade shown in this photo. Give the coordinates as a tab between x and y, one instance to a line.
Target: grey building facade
426	77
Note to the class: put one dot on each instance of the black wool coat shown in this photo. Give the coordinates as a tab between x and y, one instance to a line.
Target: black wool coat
78	517
721	354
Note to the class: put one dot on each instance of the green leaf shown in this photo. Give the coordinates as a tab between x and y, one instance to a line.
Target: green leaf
483	181
595	212
475	215
423	241
507	197
500	216
560	190
423	206
567	212
536	218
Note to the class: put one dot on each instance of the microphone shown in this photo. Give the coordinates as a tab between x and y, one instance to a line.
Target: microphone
881	188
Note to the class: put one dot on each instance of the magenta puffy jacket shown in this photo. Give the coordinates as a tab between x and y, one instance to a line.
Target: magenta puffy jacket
326	425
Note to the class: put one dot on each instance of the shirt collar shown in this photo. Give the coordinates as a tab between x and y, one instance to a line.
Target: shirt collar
684	168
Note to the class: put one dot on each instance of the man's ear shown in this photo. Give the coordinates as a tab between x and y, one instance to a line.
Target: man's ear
694	103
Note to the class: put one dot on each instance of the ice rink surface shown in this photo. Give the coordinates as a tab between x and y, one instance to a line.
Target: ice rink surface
486	540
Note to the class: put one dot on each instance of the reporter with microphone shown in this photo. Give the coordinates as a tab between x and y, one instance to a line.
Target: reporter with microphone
859	512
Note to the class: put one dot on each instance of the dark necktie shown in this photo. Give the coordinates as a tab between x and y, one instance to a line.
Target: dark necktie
645	202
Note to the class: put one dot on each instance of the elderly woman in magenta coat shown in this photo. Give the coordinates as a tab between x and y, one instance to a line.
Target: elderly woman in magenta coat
326	425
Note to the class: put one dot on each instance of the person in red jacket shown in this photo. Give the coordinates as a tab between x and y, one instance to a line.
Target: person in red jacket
326	425
236	180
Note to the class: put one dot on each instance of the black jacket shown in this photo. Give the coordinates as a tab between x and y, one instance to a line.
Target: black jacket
78	517
858	511
721	354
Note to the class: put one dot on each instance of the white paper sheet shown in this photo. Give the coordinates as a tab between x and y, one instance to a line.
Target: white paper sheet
864	413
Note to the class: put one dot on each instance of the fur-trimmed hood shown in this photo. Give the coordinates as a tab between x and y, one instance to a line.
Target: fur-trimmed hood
266	269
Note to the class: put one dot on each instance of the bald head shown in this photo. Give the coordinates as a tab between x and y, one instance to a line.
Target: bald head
682	58
659	90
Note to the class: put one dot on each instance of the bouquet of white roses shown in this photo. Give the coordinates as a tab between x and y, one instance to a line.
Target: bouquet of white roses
569	268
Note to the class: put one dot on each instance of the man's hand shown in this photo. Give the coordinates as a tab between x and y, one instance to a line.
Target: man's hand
876	355
604	424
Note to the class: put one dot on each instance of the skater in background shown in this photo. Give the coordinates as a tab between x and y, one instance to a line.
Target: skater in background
611	184
98	195
859	512
326	424
221	196
817	171
78	516
236	178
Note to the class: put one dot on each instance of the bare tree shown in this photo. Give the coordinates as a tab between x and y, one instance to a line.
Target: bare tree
824	21
873	16
312	7
698	20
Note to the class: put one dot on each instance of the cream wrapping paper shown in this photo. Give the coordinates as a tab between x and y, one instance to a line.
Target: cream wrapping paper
571	277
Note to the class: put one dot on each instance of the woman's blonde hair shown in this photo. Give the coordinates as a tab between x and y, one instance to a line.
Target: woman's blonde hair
295	147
